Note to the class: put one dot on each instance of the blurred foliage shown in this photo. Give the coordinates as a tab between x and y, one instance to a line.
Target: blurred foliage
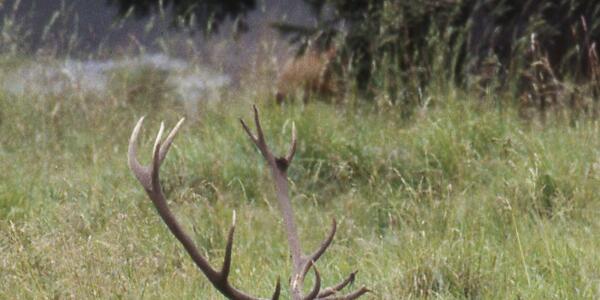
391	51
206	14
457	37
474	42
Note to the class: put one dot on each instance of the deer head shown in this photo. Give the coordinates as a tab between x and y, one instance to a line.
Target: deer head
148	176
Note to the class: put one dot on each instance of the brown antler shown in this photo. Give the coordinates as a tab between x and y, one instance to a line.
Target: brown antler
301	263
148	176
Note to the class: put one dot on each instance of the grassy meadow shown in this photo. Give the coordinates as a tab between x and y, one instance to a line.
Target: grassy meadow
462	200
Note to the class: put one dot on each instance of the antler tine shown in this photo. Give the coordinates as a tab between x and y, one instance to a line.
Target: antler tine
138	170
354	295
227	259
292	151
336	288
259	138
317	254
155	165
277	290
249	132
301	263
317	287
278	171
259	131
149	178
164	148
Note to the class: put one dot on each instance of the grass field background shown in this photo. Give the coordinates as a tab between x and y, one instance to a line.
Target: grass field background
464	199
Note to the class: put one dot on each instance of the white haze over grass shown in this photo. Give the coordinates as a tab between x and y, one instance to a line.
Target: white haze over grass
190	67
53	33
191	83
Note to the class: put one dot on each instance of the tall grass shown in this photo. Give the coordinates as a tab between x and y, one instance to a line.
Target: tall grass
463	200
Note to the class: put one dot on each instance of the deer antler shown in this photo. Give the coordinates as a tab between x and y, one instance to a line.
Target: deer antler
148	176
301	263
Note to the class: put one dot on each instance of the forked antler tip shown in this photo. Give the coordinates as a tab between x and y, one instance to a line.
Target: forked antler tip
148	176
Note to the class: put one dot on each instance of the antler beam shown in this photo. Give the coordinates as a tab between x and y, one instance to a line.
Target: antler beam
148	176
301	263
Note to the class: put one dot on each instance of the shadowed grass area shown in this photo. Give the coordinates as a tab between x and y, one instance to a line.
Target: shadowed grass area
461	201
